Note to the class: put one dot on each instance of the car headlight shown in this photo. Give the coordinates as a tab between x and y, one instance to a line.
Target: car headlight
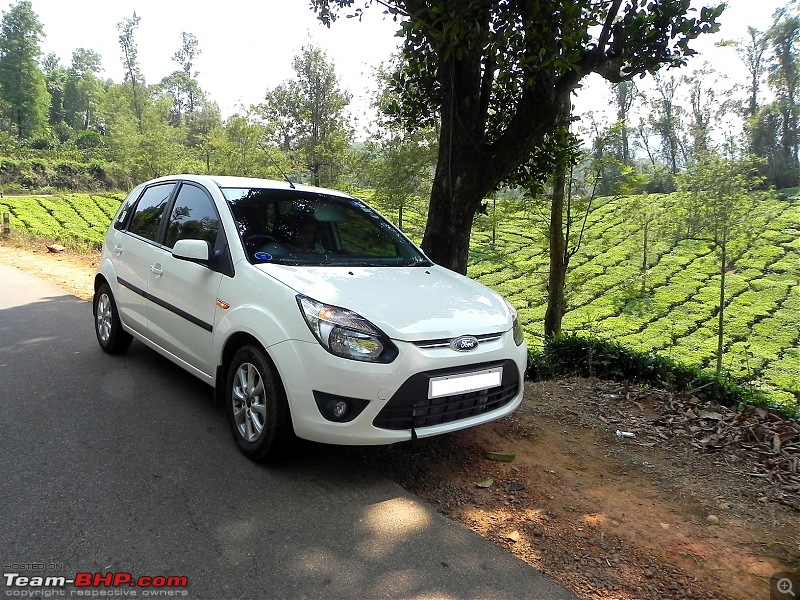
345	333
519	336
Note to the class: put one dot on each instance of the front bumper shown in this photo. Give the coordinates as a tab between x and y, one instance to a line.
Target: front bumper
396	395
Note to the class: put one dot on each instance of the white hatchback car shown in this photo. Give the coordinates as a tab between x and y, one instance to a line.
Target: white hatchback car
307	311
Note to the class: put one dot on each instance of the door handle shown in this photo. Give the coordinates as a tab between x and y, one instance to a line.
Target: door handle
156	270
117	249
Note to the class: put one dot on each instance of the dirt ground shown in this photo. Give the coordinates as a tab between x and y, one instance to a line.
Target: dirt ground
651	517
73	272
611	518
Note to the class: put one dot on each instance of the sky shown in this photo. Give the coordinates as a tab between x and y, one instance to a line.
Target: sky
247	46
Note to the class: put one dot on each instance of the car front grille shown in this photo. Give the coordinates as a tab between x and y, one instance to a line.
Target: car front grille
445	342
410	408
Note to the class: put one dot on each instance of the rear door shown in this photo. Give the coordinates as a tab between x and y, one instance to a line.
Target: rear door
183	294
134	248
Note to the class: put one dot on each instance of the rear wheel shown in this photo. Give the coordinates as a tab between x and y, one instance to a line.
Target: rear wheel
256	405
110	335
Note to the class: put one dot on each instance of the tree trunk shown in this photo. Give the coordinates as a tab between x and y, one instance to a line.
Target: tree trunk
721	324
645	243
556	305
137	108
469	164
467	170
624	91
463	175
447	232
626	152
494	222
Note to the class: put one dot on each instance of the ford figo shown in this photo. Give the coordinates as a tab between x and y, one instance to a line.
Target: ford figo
308	312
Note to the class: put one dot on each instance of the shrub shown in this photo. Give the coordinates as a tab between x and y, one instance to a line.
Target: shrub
584	356
42	143
88	140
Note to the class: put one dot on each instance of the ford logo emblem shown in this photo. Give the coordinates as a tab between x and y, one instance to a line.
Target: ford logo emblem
465	343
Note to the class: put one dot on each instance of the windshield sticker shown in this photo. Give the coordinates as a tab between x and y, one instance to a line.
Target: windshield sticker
263	256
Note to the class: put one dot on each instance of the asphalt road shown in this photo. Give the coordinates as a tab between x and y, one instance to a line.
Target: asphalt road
122	464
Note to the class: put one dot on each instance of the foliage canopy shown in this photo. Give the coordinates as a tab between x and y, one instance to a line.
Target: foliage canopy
499	74
21	82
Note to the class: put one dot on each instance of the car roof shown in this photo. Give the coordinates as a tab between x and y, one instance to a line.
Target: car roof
230	181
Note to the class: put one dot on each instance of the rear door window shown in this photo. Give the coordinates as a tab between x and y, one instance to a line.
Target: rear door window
149	213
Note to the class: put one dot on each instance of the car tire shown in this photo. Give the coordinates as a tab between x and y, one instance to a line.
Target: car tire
256	405
107	326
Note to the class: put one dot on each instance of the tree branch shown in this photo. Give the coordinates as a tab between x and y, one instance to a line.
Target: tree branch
605	35
486	87
393	9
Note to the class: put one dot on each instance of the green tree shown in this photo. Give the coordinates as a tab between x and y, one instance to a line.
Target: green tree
308	114
144	148
751	53
608	147
666	120
401	163
182	86
705	110
244	138
186	57
625	93
784	76
130	62
22	84
241	147
83	89
498	76
284	112
773	128
719	204
402	169
55	81
206	119
765	142
645	214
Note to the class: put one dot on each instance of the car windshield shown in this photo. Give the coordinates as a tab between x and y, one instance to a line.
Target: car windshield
309	228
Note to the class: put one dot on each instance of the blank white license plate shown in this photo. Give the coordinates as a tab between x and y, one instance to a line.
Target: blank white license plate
468	382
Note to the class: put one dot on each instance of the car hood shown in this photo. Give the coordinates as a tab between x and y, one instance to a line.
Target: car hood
406	303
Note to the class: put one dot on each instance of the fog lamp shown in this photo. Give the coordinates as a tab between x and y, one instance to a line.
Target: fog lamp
339	409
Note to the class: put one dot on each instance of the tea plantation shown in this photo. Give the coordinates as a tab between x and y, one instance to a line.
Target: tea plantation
663	302
676	316
75	220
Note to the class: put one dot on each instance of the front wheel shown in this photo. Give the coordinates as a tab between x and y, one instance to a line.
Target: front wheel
110	334
256	405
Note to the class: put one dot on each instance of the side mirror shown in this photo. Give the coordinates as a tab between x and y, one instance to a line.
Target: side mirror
192	250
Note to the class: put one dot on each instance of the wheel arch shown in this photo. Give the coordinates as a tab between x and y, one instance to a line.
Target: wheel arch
232	345
100	279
